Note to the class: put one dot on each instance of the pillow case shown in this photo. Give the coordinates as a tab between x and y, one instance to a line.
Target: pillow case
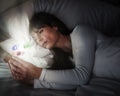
107	59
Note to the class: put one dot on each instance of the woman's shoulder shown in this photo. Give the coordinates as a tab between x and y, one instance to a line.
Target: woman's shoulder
83	31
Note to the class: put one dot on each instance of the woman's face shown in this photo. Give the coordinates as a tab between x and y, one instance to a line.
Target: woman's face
46	37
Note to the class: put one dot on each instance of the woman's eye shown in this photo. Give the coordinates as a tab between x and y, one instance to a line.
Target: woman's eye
40	31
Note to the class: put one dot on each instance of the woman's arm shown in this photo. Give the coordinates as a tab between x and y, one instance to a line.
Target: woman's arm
83	43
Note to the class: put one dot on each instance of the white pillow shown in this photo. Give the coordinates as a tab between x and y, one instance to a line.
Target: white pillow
29	52
21	44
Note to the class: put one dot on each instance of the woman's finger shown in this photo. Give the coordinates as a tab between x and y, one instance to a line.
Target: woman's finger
16	74
14	69
15	63
11	69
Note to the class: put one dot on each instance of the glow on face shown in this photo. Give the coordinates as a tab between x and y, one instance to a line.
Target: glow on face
46	36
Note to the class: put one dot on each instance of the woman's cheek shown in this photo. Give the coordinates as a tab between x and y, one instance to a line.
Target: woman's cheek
48	46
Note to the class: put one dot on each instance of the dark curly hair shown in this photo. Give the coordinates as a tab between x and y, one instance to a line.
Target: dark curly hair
42	19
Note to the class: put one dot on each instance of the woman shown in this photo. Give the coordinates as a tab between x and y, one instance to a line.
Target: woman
51	33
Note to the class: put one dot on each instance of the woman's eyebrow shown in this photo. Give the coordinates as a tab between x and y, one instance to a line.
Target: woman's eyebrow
41	30
36	31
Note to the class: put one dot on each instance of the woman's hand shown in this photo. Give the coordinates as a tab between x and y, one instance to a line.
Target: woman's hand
22	70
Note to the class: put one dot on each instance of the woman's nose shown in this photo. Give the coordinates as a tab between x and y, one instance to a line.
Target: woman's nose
41	44
40	41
